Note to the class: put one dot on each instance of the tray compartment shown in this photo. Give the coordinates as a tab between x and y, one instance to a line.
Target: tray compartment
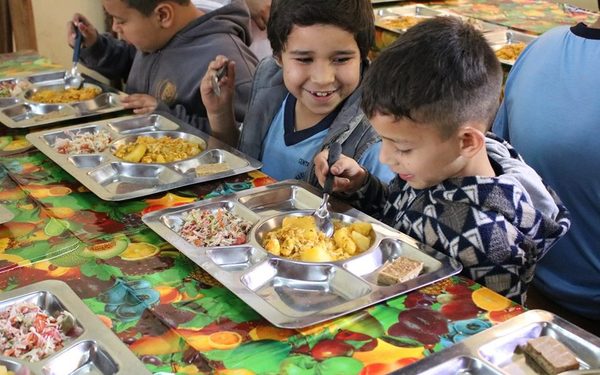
51	304
281	199
52	137
86	161
299	289
504	353
26	111
86	357
211	157
236	259
174	219
47	77
367	265
463	365
142	124
159	134
55	86
102	101
139	174
15	367
8	102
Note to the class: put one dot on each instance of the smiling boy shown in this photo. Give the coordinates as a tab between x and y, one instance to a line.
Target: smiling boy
164	49
431	96
308	94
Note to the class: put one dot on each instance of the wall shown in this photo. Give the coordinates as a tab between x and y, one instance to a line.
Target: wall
51	17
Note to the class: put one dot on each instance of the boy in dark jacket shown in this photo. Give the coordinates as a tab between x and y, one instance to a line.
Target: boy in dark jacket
431	96
308	94
164	51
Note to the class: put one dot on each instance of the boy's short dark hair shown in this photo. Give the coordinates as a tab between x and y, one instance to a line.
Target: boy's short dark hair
147	6
354	16
441	71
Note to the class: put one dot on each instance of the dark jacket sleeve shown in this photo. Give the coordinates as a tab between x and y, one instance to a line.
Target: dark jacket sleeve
110	57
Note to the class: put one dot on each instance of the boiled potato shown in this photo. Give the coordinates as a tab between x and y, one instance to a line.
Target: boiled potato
363	242
362	228
136	154
272	246
299	222
316	254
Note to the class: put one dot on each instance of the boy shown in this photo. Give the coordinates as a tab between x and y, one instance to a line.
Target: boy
307	96
165	49
431	96
548	114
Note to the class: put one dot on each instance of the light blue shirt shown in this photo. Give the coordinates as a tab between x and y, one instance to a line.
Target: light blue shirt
282	161
551	114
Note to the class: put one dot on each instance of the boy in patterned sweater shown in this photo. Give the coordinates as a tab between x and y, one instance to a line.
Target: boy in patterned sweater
432	96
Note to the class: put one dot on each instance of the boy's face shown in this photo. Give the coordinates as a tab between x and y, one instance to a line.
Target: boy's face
132	26
321	68
417	152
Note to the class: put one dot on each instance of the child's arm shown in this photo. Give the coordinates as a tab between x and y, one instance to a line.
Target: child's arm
140	103
219	101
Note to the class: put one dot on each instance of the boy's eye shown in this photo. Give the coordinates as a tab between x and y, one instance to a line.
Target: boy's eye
304	60
341	60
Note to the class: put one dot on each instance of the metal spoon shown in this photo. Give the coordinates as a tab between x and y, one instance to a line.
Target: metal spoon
73	78
321	215
217	77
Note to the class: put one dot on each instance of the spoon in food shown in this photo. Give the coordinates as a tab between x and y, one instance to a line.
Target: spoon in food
73	78
321	215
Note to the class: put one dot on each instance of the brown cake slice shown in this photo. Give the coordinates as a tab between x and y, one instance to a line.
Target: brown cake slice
399	270
552	356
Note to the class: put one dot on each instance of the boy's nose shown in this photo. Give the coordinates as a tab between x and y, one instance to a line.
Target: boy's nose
323	73
386	153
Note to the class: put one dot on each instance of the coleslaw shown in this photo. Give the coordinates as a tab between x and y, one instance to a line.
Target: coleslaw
206	228
83	142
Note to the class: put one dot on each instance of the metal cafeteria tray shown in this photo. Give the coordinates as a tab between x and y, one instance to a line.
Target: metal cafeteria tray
384	16
114	179
294	294
91	348
20	112
495	350
503	38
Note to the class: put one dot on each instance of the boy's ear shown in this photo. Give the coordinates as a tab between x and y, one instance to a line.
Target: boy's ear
164	14
472	140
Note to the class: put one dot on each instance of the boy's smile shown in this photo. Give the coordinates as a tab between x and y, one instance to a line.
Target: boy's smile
321	68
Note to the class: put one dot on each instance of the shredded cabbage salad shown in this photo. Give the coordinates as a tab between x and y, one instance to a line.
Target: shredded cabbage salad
28	332
83	142
206	228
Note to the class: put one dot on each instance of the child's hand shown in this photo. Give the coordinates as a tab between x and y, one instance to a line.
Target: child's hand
89	34
140	103
259	10
349	175
220	101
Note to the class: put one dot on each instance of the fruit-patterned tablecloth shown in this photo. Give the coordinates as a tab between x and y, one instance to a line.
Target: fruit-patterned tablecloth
531	16
24	63
177	318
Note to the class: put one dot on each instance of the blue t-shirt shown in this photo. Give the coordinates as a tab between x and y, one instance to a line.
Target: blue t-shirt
288	153
551	114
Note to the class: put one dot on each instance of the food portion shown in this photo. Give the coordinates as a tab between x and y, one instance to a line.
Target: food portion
65	96
27	332
550	355
401	22
511	51
399	270
211	168
298	238
208	228
83	142
13	87
5	371
147	149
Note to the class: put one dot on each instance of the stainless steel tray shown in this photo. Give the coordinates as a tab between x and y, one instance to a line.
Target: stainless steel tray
390	13
294	294
503	38
493	350
114	179
92	349
19	112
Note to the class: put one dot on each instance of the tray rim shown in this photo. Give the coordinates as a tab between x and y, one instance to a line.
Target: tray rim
470	346
449	266
36	139
10	123
94	329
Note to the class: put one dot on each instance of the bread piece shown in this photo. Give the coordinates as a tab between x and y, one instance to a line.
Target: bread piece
211	168
551	355
399	270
